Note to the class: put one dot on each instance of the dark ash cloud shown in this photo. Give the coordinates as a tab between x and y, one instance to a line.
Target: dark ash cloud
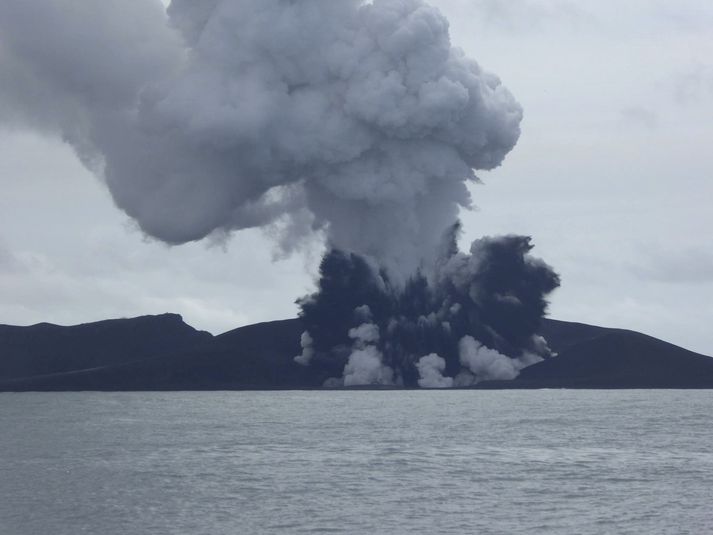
475	319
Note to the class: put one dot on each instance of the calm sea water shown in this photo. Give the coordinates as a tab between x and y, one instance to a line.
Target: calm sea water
357	462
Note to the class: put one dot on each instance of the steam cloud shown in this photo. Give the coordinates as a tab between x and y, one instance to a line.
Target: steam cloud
356	119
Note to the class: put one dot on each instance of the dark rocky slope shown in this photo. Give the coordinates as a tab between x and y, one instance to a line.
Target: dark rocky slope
163	353
621	359
48	349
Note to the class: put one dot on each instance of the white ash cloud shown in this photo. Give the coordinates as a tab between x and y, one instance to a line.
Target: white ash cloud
305	357
227	115
485	363
366	363
430	370
481	363
366	367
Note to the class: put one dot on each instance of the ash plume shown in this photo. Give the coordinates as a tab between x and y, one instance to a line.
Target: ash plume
358	120
475	319
232	114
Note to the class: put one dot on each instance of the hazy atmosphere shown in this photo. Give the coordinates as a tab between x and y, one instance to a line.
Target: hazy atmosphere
610	177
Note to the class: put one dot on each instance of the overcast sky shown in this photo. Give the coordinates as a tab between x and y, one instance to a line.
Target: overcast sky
611	177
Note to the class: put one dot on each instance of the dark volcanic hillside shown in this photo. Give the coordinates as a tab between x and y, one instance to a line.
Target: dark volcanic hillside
252	357
163	353
621	359
46	349
561	335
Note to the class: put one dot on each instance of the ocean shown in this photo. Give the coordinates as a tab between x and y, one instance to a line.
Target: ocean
362	462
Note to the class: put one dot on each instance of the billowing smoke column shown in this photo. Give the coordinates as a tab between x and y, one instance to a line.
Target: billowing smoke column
355	119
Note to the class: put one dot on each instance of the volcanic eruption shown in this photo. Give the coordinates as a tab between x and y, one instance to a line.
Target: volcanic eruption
357	120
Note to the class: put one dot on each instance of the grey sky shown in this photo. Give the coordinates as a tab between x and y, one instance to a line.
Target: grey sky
611	177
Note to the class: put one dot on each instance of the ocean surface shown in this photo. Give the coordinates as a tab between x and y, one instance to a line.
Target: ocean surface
511	462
